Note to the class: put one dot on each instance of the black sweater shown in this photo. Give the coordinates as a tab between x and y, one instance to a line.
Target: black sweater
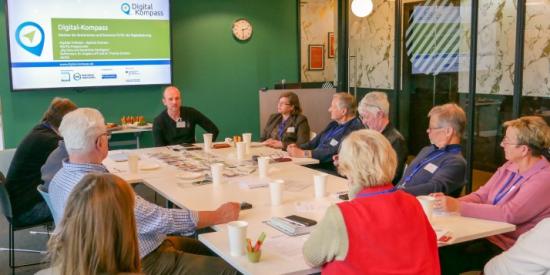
24	172
165	131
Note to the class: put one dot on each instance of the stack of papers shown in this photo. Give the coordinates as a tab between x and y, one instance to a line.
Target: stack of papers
289	227
252	182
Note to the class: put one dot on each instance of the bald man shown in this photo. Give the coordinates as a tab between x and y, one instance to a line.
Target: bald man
176	124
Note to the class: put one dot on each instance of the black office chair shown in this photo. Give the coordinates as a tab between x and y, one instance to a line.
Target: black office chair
14	225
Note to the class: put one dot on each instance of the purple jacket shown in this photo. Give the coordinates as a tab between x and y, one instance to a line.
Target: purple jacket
524	201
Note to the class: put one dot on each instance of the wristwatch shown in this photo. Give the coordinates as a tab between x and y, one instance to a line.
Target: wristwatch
307	153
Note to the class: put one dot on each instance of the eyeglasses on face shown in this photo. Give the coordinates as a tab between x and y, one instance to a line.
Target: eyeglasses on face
508	141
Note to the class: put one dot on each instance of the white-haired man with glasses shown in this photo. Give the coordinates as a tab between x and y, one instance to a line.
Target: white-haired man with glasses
374	110
86	141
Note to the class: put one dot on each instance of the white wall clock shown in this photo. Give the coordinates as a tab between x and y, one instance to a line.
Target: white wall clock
242	29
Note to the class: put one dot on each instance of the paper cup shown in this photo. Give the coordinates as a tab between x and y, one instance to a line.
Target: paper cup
247	138
207	138
427	203
263	166
217	173
320	183
237	237
133	161
276	192
241	150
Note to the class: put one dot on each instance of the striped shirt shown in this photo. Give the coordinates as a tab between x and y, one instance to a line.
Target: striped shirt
153	222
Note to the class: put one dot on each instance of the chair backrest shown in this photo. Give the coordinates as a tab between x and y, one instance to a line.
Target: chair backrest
44	193
5	204
5	160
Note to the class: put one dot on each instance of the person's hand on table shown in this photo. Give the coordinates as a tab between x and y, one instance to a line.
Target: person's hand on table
273	143
445	203
227	212
295	151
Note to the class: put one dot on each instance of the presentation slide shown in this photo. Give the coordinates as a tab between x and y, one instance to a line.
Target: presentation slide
73	43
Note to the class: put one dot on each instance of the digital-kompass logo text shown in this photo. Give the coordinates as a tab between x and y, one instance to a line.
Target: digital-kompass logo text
140	9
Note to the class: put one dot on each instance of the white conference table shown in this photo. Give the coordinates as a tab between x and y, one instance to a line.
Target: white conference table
137	132
280	254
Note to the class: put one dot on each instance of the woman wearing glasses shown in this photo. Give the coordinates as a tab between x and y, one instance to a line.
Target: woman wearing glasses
288	125
517	193
439	167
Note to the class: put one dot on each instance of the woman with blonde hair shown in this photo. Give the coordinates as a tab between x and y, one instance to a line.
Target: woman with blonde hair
98	231
517	193
381	230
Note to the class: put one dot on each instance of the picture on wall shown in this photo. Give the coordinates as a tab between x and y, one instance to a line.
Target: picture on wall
316	60
331	51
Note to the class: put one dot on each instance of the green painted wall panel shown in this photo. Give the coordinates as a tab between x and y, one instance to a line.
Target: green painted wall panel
217	74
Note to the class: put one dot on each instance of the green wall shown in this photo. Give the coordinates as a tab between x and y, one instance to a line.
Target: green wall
216	74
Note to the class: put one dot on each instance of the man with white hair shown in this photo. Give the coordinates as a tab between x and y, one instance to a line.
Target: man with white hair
86	141
374	110
326	144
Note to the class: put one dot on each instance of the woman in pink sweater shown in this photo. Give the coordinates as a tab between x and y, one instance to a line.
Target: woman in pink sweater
517	193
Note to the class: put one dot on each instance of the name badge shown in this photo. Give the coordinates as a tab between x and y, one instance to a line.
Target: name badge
430	167
290	130
180	124
333	142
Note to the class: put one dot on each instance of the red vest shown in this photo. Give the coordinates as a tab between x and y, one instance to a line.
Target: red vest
388	233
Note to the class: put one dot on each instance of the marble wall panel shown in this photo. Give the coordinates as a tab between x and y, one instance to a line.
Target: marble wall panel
317	19
372	46
496	48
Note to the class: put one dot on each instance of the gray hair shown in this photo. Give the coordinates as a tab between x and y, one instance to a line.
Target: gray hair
450	115
81	128
374	101
346	101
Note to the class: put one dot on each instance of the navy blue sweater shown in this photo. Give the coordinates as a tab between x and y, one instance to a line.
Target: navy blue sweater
437	170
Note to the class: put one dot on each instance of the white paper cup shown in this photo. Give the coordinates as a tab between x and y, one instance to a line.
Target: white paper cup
320	183
427	203
241	150
247	138
276	192
263	166
237	237
217	173
133	161
207	138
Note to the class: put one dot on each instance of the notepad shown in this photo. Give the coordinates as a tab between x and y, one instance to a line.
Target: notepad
289	227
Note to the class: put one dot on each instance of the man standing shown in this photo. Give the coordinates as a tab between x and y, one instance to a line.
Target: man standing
326	144
86	141
176	124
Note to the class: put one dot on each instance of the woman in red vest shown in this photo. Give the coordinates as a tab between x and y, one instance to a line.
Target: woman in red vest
381	230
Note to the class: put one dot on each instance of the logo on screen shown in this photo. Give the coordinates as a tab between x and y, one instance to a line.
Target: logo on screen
140	9
125	8
30	36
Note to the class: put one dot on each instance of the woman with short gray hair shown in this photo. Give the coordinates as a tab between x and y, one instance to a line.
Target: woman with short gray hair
439	167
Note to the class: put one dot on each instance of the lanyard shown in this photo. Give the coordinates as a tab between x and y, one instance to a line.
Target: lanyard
424	162
333	132
501	193
47	125
366	195
281	130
